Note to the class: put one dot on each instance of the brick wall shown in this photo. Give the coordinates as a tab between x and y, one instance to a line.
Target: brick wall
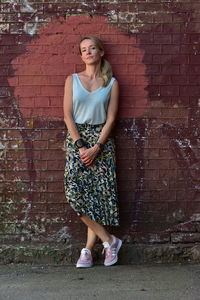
154	49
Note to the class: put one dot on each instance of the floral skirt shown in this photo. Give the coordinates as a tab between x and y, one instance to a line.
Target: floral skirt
92	190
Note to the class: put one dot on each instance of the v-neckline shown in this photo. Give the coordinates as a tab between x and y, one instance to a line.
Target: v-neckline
85	87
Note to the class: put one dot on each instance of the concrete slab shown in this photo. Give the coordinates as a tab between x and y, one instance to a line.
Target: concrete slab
152	282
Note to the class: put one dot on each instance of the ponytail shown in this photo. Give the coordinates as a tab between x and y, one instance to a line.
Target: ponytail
106	72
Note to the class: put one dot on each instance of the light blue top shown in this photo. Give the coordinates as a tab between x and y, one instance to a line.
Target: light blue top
90	107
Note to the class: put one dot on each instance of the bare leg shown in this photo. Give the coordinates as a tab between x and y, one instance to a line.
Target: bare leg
98	229
91	239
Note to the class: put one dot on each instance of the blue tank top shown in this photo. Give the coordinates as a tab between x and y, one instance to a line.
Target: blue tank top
90	107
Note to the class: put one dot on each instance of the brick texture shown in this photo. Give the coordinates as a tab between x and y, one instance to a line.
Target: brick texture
153	47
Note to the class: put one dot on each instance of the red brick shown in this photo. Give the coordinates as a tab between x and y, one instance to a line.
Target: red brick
180	59
180	79
171	28
194	79
168	195
55	165
170	69
189	91
52	154
168	90
162	38
40	144
23	176
154	90
151	174
27	91
185	237
40	165
52	91
162	17
179	38
55	207
170	173
150	6
54	197
26	102
145	38
126	186
126	163
55	186
56	101
21	154
50	175
157	79
161	59
156	164
148	59
41	102
153	69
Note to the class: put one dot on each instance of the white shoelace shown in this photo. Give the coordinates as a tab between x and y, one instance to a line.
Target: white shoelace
107	248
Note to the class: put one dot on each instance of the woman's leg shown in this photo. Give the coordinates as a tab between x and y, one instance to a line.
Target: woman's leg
91	239
111	244
98	229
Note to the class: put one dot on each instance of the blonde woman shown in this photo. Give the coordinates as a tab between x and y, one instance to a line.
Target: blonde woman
90	109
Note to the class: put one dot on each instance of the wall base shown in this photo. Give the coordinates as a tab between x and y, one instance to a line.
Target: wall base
129	254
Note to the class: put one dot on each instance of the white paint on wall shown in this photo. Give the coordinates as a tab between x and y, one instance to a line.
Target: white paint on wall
31	28
26	7
61	235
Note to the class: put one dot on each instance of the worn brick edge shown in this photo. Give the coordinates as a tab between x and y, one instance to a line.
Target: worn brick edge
129	254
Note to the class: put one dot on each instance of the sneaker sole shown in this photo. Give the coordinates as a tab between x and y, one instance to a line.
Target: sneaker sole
84	266
116	259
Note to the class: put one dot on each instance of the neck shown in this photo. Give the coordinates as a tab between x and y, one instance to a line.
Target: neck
93	71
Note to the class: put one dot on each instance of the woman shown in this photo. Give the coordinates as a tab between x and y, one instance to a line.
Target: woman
90	109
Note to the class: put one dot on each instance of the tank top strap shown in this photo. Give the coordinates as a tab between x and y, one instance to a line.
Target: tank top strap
111	81
75	77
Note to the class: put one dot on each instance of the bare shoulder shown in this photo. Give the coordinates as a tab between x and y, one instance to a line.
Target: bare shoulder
69	78
68	81
115	85
115	82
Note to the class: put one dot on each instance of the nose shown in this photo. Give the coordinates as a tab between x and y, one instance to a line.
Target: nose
88	51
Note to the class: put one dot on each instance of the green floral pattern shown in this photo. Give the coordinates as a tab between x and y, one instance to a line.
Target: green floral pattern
92	191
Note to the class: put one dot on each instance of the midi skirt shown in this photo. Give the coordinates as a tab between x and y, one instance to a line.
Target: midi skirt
92	191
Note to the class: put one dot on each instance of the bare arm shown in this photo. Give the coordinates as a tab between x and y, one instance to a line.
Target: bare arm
68	110
111	114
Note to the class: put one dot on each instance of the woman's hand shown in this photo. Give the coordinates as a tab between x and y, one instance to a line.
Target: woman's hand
88	155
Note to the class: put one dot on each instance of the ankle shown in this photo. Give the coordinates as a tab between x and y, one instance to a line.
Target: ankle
109	240
88	248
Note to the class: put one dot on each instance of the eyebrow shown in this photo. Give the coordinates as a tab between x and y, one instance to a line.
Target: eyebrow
89	46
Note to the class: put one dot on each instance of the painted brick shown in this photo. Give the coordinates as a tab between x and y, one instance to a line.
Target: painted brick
155	58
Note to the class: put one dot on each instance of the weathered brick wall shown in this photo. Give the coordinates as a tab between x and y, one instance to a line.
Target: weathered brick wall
154	49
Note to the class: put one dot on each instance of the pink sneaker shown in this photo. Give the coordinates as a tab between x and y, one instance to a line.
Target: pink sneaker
112	251
85	259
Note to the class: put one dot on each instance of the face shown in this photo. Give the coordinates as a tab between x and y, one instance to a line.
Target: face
90	53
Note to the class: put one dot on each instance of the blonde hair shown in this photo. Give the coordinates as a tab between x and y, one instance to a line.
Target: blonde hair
106	69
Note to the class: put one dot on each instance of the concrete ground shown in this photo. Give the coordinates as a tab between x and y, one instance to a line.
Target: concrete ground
156	282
